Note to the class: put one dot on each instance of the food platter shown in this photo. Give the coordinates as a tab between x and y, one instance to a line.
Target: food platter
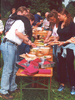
53	43
39	44
28	57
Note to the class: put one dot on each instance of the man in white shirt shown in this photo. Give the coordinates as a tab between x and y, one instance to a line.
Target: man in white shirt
46	23
14	37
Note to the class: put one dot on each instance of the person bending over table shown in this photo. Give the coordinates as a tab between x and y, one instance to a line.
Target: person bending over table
9	52
66	30
54	21
53	18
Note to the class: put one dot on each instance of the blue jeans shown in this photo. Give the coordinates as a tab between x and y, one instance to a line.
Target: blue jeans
9	53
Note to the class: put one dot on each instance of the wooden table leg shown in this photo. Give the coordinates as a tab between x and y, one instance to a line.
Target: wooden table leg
50	81
33	83
49	88
20	88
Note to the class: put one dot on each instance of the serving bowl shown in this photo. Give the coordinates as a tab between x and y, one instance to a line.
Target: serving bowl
45	50
34	50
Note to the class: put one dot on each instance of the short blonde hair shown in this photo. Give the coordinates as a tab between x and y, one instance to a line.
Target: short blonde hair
39	13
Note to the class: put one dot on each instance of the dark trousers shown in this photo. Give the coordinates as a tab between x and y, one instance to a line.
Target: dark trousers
23	48
69	62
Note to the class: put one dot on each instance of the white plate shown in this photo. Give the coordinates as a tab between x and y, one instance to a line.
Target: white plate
45	57
29	57
39	28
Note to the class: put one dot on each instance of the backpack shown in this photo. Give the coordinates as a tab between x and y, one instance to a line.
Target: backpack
8	24
25	20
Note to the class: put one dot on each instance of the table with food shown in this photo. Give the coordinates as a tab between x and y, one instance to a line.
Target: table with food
42	51
38	63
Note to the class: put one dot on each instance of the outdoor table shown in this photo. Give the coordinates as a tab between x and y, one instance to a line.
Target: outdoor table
44	76
40	77
42	34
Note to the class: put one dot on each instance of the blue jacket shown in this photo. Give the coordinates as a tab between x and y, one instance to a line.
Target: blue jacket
37	19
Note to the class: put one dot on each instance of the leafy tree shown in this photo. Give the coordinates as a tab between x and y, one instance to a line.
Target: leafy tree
71	8
39	6
35	5
6	5
55	4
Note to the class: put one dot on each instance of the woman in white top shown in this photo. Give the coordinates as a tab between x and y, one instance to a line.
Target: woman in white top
54	21
53	18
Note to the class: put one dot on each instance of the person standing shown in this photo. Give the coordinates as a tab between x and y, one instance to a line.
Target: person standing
46	23
12	11
9	51
23	48
38	18
66	30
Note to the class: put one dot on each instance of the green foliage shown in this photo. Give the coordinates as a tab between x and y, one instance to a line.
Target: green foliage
32	39
11	1
71	10
40	6
7	15
63	5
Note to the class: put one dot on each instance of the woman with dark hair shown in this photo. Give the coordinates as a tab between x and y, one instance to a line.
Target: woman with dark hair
66	30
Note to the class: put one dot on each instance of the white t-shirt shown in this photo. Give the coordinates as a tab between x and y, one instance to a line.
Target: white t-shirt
46	23
19	25
54	33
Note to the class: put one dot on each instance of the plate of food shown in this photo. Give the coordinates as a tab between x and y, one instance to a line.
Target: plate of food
28	57
54	42
47	56
39	44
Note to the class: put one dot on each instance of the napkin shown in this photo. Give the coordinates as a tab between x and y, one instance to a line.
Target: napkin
46	62
30	70
22	63
37	60
44	71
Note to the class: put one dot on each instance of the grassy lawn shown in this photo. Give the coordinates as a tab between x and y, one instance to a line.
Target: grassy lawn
43	94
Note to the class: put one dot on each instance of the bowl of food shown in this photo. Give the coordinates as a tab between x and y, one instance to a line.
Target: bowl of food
45	50
39	55
33	50
39	44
